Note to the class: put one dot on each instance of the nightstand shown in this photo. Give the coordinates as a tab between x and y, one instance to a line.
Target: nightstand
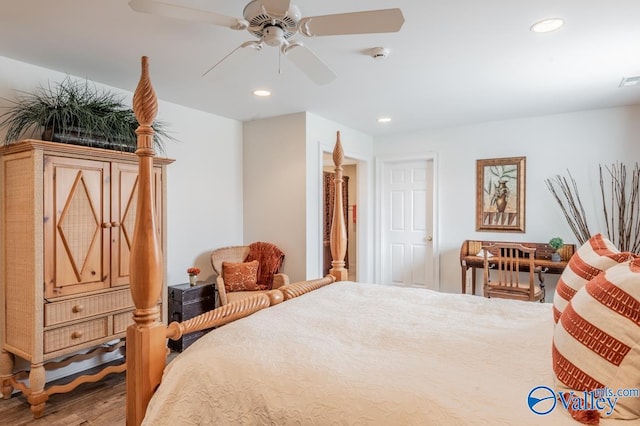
186	302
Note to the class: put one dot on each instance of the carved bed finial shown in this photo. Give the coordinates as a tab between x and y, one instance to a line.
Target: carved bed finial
145	265
146	347
338	238
338	153
145	107
145	103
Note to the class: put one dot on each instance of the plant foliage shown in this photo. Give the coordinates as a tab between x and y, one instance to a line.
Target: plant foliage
556	242
78	111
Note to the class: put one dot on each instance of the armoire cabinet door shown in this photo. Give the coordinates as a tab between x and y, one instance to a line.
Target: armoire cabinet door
76	225
124	189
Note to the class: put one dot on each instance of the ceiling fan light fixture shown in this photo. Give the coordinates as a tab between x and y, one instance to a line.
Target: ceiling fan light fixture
273	22
262	93
547	25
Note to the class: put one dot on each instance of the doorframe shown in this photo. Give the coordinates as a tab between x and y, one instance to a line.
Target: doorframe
364	250
380	163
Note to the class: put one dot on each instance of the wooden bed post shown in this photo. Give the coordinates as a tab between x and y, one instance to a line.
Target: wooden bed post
338	238
146	344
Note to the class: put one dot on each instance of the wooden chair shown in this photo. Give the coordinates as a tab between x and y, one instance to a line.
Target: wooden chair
270	260
509	260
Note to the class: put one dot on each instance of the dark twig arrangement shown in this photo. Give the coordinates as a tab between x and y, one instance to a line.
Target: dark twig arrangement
568	198
620	206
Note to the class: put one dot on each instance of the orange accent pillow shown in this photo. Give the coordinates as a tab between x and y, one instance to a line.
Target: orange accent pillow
596	343
240	276
596	255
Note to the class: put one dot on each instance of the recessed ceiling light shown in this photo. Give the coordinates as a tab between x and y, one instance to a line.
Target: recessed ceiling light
384	119
547	25
262	93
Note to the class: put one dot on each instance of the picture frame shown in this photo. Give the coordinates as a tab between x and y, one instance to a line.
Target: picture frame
500	194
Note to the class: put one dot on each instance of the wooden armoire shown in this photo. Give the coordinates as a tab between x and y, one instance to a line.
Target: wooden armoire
67	215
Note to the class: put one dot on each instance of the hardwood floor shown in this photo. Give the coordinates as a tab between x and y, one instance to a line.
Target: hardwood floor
96	404
100	403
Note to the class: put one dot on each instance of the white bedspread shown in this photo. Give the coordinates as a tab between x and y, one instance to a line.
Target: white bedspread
404	357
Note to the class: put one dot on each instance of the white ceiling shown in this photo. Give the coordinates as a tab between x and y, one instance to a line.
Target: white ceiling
453	62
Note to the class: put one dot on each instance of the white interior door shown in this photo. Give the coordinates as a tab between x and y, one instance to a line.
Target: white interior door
407	223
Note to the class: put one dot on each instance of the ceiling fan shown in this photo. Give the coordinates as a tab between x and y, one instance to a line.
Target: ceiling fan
274	22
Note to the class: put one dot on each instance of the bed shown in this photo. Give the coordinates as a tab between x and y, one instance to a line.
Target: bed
404	356
327	352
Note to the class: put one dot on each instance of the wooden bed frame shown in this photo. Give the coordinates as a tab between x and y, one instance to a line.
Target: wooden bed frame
146	344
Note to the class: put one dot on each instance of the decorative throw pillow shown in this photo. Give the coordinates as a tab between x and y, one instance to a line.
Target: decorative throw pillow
596	344
596	255
240	276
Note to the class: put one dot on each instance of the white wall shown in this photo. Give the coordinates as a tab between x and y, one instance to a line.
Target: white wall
577	141
274	187
204	191
283	185
204	209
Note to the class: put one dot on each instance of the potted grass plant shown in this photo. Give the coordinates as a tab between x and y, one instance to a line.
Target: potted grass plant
556	243
76	112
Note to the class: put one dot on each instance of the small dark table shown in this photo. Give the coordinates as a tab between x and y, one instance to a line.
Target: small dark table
186	302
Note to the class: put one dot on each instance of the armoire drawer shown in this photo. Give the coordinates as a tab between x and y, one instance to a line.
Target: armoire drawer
84	307
65	337
122	321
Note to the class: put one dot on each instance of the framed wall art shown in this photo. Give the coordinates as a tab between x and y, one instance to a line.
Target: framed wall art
500	194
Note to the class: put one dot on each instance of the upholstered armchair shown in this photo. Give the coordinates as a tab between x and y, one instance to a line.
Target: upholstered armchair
243	271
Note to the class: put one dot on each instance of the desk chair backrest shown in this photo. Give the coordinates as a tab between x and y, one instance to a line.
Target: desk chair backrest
509	260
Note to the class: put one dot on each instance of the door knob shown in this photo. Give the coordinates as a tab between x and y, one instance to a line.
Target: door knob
430	238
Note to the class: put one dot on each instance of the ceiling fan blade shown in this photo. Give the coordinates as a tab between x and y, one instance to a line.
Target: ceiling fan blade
168	10
276	8
309	63
234	60
372	21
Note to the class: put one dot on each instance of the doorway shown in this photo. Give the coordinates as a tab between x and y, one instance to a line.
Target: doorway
407	223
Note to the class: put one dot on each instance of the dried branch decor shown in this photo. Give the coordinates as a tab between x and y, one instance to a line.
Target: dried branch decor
620	205
568	198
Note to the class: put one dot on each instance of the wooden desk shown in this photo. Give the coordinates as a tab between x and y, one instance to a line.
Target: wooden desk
470	248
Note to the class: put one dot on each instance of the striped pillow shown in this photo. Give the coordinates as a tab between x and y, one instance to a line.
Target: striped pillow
596	343
596	255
